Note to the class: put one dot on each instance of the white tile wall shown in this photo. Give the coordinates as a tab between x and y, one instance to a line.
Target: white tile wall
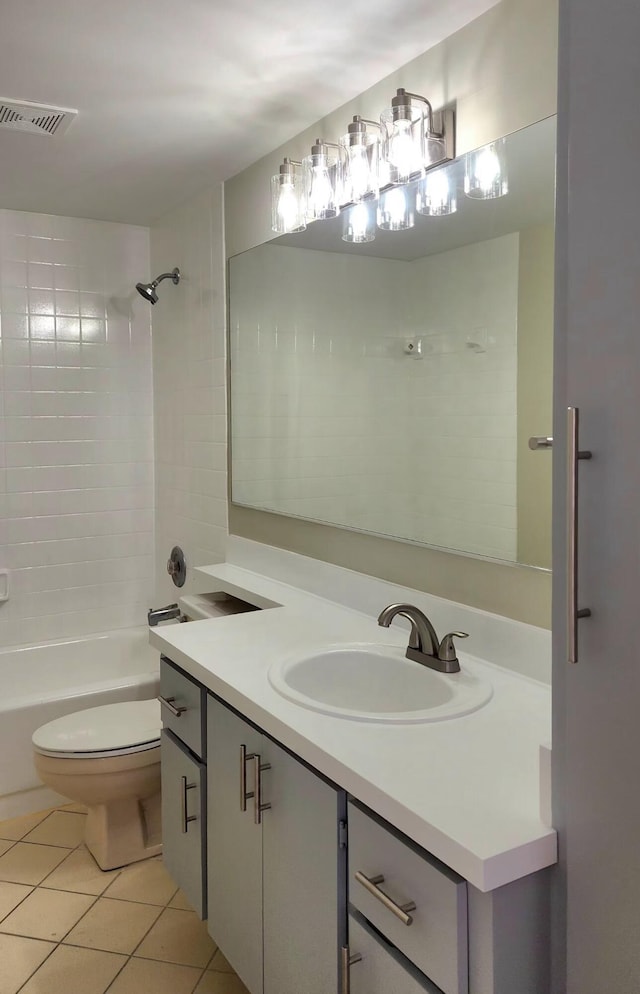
189	367
330	418
76	426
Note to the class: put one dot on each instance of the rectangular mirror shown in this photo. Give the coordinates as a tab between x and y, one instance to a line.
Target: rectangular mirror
391	386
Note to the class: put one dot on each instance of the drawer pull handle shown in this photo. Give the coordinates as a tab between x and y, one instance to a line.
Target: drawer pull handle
244	794
371	884
176	710
186	818
348	959
258	806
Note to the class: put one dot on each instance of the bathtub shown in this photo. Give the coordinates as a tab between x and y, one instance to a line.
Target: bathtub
43	682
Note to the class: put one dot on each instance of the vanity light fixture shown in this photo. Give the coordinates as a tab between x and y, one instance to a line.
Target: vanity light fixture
360	222
359	149
436	194
287	201
414	138
485	175
322	181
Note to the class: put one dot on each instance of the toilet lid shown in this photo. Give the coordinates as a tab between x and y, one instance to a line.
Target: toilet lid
128	726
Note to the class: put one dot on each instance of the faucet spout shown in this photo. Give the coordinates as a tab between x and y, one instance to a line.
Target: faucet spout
424	646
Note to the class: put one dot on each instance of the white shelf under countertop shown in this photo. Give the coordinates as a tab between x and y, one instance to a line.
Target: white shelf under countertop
466	789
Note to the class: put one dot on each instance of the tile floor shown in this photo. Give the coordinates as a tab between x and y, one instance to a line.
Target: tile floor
66	927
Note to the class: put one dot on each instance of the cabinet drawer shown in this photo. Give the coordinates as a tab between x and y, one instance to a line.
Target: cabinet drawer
378	969
179	693
436	937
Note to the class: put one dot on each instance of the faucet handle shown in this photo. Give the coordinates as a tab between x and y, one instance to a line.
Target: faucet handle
447	650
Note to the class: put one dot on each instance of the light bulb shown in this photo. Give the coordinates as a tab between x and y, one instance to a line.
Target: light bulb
485	174
320	193
402	151
359	224
394	211
359	172
288	207
436	197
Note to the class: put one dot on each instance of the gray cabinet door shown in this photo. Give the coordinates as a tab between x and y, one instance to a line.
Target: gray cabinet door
379	969
300	873
234	846
183	819
596	737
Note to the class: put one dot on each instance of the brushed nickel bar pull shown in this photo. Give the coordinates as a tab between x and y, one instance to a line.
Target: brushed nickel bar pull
186	818
541	442
574	613
169	703
258	806
371	884
244	794
347	961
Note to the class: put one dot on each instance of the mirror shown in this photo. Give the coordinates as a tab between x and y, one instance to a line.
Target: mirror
392	386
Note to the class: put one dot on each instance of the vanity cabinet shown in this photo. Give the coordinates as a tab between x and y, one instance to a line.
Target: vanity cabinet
274	861
183	774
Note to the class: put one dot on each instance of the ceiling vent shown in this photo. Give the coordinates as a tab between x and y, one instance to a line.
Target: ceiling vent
35	119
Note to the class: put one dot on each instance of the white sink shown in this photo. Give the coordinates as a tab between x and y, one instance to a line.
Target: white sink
373	682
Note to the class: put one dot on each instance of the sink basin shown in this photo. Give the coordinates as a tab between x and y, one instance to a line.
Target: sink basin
373	682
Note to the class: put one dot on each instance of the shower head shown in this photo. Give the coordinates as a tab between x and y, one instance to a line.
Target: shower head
148	290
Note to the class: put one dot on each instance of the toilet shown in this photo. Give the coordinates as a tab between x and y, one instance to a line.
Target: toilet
108	758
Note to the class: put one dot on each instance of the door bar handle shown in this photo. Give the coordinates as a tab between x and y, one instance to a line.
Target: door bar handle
347	961
186	818
574	613
258	806
177	710
244	794
371	884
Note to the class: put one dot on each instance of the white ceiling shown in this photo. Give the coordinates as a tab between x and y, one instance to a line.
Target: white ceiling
173	96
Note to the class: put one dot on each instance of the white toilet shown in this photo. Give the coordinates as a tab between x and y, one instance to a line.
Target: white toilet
109	759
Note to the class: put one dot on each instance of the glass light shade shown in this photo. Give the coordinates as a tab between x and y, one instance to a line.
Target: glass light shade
403	148
436	194
485	176
360	223
322	180
395	210
360	162
287	203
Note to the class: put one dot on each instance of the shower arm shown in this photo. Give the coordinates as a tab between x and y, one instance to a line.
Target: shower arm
173	275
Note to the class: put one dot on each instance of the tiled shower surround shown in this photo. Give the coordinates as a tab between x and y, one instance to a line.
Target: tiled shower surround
334	420
76	427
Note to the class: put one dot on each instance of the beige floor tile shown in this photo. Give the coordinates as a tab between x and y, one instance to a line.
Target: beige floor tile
10	897
80	873
47	914
115	926
220	983
60	828
29	864
147	882
17	828
157	978
220	964
178	937
5	845
80	809
18	959
179	901
74	971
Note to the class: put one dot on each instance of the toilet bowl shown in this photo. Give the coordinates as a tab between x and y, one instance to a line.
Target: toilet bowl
108	758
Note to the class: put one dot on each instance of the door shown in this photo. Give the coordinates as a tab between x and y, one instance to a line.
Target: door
183	819
234	843
596	738
376	968
300	877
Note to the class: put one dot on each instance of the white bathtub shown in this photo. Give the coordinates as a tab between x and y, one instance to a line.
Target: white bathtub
43	682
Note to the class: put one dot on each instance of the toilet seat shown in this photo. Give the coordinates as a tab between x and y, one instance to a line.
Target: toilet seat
99	733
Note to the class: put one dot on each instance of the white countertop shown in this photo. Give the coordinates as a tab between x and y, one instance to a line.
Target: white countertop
466	789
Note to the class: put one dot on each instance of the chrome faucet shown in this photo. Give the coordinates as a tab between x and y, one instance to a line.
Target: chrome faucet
424	646
154	617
